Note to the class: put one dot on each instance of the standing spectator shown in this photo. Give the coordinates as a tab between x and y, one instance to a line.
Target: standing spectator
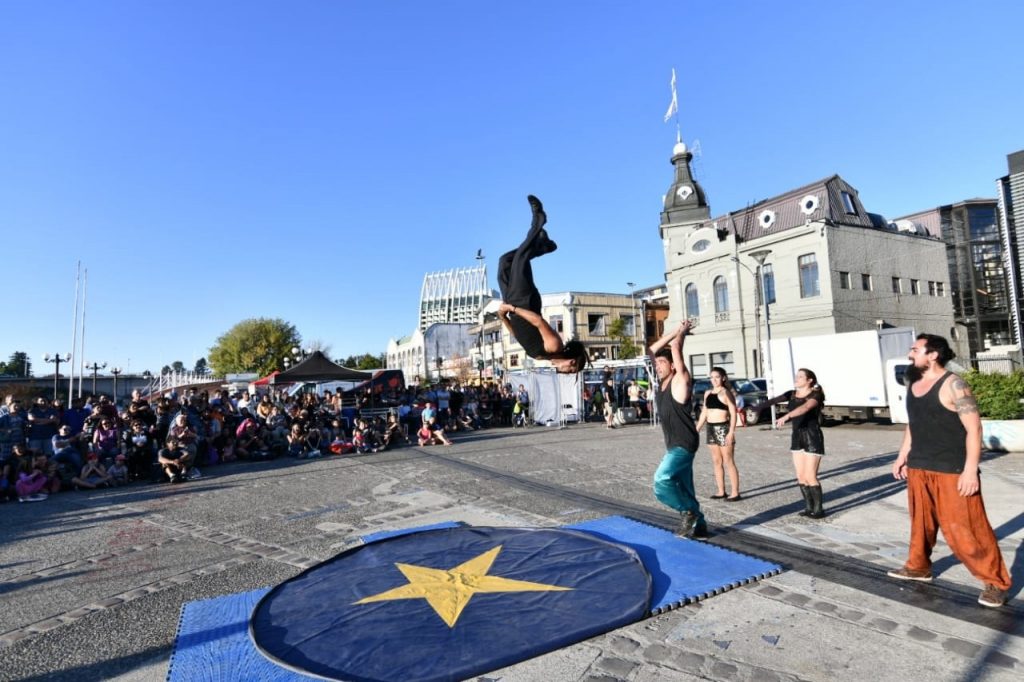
719	414
42	426
939	459
74	416
608	399
12	427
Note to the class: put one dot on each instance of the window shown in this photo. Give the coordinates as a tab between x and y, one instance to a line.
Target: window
699	365
721	290
848	204
556	323
595	324
940	289
628	325
513	360
915	287
844	280
931	288
865	282
598	353
768	277
897	285
808	275
692	301
723	360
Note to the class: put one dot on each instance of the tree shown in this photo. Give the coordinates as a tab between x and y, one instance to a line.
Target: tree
627	346
177	366
254	345
166	369
17	365
364	361
201	367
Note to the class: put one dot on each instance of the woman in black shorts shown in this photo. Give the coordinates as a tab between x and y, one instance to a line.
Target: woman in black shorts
807	443
719	414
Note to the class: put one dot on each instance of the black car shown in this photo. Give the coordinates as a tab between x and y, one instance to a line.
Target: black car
753	391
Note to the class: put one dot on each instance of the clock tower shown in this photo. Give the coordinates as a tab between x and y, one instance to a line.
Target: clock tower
685	203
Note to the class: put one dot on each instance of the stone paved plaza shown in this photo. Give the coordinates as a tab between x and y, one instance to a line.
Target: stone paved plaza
93	583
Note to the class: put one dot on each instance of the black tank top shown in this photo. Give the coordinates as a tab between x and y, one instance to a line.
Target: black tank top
938	439
715	403
676	421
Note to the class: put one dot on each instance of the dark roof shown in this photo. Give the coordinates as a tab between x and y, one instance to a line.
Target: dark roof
318	367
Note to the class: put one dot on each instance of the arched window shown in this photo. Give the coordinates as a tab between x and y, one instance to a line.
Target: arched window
721	295
692	301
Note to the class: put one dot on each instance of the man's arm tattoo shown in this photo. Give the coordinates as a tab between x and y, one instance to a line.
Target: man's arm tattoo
963	400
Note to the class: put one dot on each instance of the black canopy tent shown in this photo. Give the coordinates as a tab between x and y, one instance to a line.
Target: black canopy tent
319	368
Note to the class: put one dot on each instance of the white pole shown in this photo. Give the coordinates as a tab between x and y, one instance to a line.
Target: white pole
81	351
74	335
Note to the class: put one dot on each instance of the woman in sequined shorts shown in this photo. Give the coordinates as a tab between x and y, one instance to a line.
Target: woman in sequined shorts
719	417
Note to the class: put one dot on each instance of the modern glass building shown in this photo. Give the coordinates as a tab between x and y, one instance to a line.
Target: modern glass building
453	296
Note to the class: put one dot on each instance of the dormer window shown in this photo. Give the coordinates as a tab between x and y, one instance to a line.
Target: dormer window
700	246
851	208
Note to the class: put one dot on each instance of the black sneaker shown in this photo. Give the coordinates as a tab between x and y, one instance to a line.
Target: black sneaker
687	524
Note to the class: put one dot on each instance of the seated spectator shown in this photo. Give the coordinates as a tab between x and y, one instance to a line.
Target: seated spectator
175	460
105	440
93	474
248	443
393	431
119	471
32	484
65	449
183	433
297	442
42	426
437	433
140	451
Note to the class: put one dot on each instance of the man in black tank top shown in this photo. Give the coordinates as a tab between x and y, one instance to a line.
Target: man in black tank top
939	460
673	481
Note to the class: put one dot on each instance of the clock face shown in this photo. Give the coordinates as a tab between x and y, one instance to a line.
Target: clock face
684	192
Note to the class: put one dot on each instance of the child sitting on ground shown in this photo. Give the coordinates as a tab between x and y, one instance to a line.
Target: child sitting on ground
119	471
93	474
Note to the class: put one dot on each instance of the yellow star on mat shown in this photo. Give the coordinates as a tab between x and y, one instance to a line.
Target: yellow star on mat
448	591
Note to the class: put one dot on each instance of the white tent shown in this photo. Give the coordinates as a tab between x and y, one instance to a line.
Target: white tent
554	398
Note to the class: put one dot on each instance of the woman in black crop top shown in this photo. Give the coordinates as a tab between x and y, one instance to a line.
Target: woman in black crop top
719	414
807	443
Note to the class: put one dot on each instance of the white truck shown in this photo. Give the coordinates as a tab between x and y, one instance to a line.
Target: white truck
860	372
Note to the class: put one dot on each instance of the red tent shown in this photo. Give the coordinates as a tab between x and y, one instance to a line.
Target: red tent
267	380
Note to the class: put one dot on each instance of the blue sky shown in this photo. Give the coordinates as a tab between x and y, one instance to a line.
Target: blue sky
214	161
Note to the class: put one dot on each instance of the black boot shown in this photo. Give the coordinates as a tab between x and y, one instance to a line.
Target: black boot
816	511
808	506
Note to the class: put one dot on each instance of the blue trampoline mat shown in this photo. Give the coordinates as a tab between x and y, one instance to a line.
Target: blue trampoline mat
213	639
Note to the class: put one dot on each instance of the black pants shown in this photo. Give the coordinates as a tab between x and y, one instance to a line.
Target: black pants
515	275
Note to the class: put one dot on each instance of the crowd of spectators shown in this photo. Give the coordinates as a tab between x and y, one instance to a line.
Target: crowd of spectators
93	442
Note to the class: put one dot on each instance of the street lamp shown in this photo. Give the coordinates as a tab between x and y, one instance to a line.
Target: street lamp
759	256
301	353
116	371
148	377
56	359
287	361
632	299
95	367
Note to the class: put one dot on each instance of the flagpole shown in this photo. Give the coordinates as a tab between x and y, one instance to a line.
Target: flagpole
74	335
81	356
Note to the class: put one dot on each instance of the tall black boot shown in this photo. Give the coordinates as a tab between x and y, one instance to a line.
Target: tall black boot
816	511
808	506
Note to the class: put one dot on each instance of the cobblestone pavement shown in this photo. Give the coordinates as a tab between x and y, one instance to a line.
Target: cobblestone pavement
93	583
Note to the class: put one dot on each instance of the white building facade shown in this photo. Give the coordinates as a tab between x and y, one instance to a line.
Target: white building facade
828	266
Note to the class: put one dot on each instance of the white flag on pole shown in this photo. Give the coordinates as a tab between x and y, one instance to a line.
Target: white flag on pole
673	106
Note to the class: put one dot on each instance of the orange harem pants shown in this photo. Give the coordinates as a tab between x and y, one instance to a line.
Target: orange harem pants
935	504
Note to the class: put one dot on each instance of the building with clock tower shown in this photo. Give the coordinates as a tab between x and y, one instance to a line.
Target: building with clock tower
827	264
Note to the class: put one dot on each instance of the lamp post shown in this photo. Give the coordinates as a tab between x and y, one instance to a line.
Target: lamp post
56	359
632	298
147	376
759	256
301	354
95	367
116	371
286	362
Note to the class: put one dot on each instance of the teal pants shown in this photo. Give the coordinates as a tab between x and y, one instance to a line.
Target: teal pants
673	482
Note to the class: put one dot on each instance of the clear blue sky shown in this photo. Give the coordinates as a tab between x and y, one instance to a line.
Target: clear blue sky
214	161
